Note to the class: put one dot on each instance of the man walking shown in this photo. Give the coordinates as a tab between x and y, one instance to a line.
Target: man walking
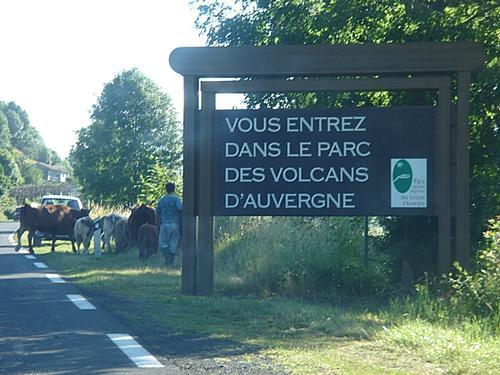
168	216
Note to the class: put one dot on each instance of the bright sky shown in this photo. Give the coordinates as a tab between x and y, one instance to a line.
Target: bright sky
58	54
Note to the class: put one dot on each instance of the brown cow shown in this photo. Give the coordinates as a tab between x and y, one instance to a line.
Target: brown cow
50	219
139	216
147	240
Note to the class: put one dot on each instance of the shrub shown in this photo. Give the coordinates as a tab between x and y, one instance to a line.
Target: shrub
463	294
7	206
477	292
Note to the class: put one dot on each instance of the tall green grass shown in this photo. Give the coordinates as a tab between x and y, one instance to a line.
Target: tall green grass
297	256
463	348
100	210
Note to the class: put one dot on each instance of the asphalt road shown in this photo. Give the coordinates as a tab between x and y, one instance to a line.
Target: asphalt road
43	332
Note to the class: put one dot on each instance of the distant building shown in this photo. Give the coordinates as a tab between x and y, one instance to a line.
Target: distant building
53	172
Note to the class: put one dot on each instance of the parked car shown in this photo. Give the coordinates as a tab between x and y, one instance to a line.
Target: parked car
65	200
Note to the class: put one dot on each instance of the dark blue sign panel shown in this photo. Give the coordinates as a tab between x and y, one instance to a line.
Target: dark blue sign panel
351	161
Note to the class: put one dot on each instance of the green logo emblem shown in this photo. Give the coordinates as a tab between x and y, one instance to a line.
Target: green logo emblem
402	176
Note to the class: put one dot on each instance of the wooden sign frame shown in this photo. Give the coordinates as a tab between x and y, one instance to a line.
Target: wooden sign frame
411	66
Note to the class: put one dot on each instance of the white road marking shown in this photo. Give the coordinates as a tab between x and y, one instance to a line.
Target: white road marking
30	256
23	251
80	302
40	265
54	277
140	356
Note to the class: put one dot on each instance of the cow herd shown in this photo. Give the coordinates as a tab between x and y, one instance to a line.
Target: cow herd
58	221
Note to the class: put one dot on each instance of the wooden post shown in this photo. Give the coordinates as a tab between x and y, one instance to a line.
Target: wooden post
462	226
97	238
443	166
188	285
366	241
205	273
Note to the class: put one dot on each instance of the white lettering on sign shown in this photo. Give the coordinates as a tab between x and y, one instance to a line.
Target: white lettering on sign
325	124
289	200
299	150
319	174
343	149
252	150
246	125
294	152
296	174
245	174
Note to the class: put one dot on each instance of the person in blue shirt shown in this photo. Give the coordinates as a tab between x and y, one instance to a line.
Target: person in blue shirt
169	216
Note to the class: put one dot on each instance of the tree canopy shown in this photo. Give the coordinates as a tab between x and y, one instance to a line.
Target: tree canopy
134	130
20	146
23	136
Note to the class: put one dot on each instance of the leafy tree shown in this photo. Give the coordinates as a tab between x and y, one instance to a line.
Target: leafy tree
265	22
31	174
20	143
4	131
54	157
23	136
20	146
23	116
46	155
9	171
134	128
15	124
152	185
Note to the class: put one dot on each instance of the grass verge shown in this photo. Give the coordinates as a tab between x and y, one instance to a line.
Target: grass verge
303	337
